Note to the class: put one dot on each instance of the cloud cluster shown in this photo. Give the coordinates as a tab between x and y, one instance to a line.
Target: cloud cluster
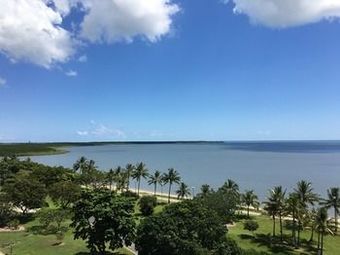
99	130
287	13
3	82
33	30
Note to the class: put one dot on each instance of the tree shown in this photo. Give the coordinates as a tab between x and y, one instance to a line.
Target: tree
205	190
231	187
171	177
110	178
249	198
333	201
25	192
275	205
183	191
80	165
155	179
65	193
139	173
147	205
322	227
52	218
306	196
294	208
6	211
187	228
102	217
250	225
129	170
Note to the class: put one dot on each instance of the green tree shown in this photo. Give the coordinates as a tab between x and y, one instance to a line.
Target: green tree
183	191
294	208
171	177
110	178
250	225
186	228
249	198
333	201
275	205
205	190
102	217
147	205
306	196
129	170
6	211
322	228
155	179
80	165
65	193
25	192
52	218
140	172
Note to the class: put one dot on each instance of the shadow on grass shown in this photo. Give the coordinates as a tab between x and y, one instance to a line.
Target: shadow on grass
106	253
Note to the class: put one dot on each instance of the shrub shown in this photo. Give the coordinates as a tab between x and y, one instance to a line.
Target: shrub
147	205
250	225
14	224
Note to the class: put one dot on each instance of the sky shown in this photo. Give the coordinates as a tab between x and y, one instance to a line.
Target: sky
127	70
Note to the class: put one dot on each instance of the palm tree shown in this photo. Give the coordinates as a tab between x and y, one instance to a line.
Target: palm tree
110	178
129	170
276	201
205	190
322	227
171	177
293	207
306	196
183	191
80	165
155	179
333	201
249	198
140	172
272	210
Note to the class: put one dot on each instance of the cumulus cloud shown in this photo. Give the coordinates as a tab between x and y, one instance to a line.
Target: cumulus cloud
33	30
116	20
71	73
287	13
82	59
99	130
3	82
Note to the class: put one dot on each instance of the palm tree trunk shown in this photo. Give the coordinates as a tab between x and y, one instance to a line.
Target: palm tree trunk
169	193
274	226
336	220
318	241
311	239
248	211
138	186
154	191
322	242
281	230
298	236
128	182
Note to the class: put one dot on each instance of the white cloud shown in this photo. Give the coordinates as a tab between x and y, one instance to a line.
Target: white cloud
30	31
82	59
122	20
71	73
287	13
82	133
99	130
33	30
3	82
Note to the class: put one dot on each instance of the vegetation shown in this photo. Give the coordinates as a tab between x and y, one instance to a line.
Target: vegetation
55	205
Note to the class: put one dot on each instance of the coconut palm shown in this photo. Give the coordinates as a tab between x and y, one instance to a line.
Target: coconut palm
277	200
322	227
249	198
306	196
333	201
129	170
183	191
155	179
271	208
205	190
294	208
110	178
80	165
171	177
140	172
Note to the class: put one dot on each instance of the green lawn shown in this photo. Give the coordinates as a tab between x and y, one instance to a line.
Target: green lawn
246	240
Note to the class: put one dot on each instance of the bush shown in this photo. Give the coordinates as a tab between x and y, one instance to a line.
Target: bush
147	204
14	224
130	194
250	225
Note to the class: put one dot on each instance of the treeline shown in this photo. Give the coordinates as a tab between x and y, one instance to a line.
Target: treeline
101	207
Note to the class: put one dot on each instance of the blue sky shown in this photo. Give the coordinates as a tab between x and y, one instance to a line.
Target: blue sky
210	73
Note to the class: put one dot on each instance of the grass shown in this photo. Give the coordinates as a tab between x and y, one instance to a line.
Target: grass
260	241
29	149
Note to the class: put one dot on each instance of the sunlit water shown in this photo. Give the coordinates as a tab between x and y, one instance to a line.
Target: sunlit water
257	166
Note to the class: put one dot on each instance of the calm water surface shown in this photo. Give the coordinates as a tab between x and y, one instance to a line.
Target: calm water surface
257	166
